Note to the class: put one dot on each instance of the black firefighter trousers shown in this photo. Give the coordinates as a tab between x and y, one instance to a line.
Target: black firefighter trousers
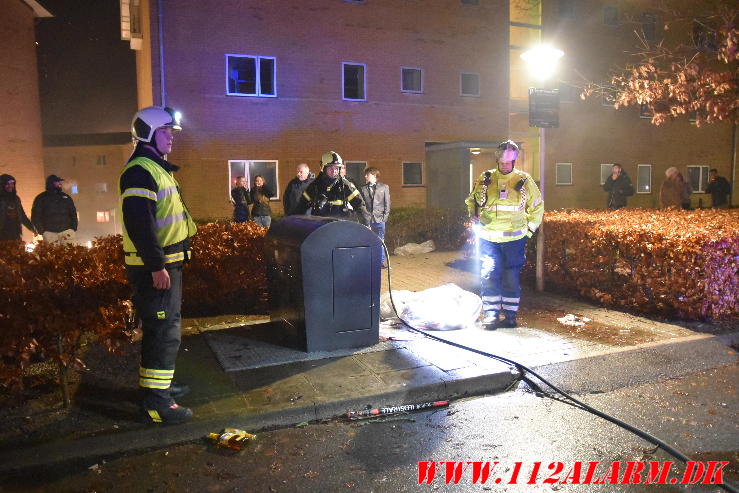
159	311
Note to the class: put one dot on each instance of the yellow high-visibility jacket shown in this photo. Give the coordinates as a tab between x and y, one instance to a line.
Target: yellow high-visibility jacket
509	207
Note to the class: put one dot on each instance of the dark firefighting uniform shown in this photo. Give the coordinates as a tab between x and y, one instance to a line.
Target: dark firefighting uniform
156	233
331	197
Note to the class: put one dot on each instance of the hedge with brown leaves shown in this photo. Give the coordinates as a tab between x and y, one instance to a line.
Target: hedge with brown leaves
670	263
56	293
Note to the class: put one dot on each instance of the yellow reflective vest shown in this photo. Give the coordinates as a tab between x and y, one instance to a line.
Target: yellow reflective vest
173	222
509	206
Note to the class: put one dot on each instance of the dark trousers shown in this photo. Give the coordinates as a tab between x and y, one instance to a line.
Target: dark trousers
500	274
379	230
159	311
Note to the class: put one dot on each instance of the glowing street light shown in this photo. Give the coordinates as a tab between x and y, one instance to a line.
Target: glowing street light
542	62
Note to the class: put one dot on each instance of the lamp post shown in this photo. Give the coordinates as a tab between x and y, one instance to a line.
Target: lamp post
542	62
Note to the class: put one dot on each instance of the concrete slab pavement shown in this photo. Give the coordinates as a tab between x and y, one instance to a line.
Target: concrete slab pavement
415	370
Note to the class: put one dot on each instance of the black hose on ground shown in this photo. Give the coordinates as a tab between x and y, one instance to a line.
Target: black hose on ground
524	370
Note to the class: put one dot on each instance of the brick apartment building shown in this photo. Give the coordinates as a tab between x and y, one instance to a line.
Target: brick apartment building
20	111
263	86
592	134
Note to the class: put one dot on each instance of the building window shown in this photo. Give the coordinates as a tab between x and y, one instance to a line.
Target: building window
605	172
470	2
644	178
249	169
704	37
355	171
567	8
353	81
103	216
411	79
101	187
649	26
412	174
73	190
356	1
645	112
563	174
698	177
101	160
248	75
469	84
610	15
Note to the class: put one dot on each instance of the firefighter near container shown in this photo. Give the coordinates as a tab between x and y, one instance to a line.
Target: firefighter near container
157	228
331	195
505	209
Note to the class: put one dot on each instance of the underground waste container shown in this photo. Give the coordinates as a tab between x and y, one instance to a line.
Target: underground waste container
324	282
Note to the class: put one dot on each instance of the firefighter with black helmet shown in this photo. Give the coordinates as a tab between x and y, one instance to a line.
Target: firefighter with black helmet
332	195
505	208
157	228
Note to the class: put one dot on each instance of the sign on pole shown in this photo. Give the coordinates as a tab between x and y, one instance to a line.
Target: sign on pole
543	108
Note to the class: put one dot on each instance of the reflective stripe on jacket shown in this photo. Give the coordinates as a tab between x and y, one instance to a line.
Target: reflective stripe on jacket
173	222
507	211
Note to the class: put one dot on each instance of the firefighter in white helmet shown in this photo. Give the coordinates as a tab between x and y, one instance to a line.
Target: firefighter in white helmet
157	228
332	195
505	208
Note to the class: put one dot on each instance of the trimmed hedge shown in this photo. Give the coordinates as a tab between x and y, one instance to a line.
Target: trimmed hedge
682	264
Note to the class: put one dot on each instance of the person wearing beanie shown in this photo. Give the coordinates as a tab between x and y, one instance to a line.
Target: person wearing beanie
12	214
53	213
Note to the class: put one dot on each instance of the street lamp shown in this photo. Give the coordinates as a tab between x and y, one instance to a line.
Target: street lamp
542	62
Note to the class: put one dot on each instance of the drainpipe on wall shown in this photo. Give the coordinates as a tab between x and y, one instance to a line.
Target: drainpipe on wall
160	20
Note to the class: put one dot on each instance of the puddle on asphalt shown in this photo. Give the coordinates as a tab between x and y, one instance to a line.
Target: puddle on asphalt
592	331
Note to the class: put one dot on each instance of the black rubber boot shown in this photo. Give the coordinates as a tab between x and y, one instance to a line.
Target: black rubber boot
510	320
491	320
177	390
169	415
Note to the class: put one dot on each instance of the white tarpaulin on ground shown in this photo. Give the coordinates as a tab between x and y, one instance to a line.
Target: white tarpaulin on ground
415	248
441	308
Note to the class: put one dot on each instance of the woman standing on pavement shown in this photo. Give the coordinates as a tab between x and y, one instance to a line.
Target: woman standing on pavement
261	213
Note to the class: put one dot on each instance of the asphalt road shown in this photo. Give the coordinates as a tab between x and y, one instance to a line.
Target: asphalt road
697	413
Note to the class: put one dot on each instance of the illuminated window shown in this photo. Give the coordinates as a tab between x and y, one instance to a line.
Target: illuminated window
469	84
698	177
248	75
411	79
103	216
353	81
250	169
605	172
644	178
412	174
563	174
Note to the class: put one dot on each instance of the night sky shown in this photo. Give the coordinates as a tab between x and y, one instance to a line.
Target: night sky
87	74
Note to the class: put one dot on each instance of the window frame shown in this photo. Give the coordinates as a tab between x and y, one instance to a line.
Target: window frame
556	174
645	17
361	177
364	81
402	175
461	85
638	176
604	177
258	82
410	91
247	175
701	177
644	112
